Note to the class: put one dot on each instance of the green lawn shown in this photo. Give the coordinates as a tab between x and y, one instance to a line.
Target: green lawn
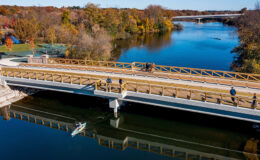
16	48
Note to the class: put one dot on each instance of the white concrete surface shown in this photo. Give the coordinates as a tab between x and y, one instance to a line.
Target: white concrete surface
8	62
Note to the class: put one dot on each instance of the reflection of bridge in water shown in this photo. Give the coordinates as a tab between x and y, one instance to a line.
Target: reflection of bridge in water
164	148
64	126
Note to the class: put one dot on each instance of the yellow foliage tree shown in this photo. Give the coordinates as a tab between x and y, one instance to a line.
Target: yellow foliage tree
26	29
67	53
141	29
1	34
169	25
147	25
51	35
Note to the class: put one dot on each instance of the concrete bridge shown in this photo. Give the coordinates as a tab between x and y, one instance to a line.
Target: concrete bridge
165	86
200	17
129	139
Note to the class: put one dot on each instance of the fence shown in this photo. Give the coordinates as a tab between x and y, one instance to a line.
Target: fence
160	68
163	90
212	97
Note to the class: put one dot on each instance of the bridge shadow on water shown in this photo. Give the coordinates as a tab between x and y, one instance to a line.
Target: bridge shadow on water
166	132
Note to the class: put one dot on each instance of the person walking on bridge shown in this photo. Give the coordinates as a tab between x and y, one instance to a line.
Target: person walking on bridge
152	67
233	94
254	103
146	67
109	81
121	83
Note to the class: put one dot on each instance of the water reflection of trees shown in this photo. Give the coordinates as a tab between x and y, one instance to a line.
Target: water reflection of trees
152	41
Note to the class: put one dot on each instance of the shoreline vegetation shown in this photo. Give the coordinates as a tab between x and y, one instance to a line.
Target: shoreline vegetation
248	51
88	32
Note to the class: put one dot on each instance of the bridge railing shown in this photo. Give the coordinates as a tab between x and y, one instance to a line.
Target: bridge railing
53	76
110	87
162	90
202	72
109	64
189	94
161	68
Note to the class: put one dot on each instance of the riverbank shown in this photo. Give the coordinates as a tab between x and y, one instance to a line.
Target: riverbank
9	95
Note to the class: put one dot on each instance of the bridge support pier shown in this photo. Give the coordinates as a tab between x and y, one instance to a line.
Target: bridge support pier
115	104
199	20
3	82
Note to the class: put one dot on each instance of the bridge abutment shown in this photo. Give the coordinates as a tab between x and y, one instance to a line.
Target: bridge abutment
40	60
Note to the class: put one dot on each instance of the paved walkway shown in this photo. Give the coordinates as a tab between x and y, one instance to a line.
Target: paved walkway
8	62
150	78
176	76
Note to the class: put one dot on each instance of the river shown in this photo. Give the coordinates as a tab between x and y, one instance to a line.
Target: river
206	46
140	131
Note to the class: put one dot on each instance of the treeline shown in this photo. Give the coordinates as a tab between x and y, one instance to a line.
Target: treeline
248	59
115	21
87	31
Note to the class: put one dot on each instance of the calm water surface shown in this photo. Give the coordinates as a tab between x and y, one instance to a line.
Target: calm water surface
39	126
140	132
206	46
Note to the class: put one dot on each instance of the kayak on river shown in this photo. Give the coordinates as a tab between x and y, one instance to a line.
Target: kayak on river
79	129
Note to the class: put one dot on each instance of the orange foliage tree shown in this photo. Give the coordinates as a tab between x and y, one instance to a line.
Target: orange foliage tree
9	43
32	46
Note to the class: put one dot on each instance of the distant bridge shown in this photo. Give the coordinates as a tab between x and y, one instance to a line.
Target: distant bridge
199	17
159	88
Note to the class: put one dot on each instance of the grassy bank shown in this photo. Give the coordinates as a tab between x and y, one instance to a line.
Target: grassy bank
16	48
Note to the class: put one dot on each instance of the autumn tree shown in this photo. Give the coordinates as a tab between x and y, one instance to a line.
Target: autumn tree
1	35
66	17
3	11
9	43
154	12
25	29
51	35
243	11
147	25
32	45
132	25
94	46
93	15
248	51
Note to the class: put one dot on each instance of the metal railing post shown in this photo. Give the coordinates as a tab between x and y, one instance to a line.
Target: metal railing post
96	86
162	90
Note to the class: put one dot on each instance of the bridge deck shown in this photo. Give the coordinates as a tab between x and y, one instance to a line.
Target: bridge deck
82	79
171	79
189	92
208	16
